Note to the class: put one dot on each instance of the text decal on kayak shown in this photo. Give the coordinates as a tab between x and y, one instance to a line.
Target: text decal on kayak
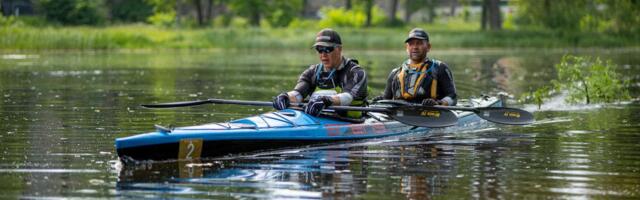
190	149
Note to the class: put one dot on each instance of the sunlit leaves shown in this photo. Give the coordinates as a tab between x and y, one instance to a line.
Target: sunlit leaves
586	80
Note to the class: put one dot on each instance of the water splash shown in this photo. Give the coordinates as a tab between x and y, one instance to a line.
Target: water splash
558	103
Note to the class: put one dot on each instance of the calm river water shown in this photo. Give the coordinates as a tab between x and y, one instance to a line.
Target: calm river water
60	113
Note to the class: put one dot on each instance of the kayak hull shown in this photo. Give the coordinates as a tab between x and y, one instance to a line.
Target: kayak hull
275	130
212	149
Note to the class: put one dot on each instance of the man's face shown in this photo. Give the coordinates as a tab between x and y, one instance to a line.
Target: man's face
329	56
417	49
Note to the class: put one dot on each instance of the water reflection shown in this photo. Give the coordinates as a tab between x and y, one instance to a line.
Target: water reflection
60	114
420	166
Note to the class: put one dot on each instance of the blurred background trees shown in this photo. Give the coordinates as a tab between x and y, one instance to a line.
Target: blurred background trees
611	16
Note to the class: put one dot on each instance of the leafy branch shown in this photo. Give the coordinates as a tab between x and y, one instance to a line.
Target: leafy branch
586	80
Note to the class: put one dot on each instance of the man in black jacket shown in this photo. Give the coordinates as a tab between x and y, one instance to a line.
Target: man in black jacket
336	80
420	79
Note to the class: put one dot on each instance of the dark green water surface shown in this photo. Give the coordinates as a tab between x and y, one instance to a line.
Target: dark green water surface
61	112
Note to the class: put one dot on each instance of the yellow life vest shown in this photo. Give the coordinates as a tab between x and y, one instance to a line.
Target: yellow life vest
423	70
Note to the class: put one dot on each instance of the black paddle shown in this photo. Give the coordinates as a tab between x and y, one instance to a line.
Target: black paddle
422	116
207	101
501	115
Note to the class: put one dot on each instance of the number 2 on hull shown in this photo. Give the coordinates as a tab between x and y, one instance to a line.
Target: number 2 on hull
190	149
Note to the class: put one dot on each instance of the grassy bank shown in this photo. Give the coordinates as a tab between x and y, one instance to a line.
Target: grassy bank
150	37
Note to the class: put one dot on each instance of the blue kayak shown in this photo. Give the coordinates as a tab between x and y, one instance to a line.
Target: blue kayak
273	130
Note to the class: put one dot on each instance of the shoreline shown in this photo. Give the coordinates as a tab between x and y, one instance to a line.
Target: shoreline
150	38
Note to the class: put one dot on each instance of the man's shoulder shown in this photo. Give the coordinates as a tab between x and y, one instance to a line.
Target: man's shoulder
312	66
351	62
310	71
352	65
440	63
396	69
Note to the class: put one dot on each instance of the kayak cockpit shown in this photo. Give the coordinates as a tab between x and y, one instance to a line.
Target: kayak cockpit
279	119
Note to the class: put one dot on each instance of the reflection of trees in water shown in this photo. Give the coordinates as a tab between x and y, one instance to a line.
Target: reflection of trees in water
335	173
487	182
488	173
415	167
495	73
425	173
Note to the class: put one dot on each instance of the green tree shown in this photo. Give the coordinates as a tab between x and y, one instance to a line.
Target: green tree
253	10
393	10
618	16
368	7
74	12
204	10
622	16
413	6
553	14
356	17
164	12
591	80
491	15
277	12
283	12
584	79
130	10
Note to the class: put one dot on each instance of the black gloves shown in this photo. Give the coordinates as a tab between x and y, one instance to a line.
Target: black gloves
315	106
431	102
281	101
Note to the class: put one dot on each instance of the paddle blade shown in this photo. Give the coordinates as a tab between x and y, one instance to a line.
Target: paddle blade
432	117
510	116
176	104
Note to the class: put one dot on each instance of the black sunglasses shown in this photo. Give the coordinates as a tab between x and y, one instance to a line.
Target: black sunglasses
325	49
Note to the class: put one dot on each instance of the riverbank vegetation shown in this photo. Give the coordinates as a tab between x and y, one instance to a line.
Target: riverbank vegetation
585	80
147	36
271	24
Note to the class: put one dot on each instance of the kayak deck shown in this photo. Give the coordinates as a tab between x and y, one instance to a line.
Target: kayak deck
272	130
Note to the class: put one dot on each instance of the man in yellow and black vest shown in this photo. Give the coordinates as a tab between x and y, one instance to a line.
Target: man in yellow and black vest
336	80
420	79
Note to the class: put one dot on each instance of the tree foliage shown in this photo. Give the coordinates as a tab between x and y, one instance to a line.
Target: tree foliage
412	6
355	17
284	12
538	96
164	12
130	10
586	15
590	80
585	80
74	12
277	12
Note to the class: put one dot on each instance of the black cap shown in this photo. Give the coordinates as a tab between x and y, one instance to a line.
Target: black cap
327	37
417	33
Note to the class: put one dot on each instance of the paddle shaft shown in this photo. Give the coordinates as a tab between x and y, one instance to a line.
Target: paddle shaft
256	103
409	114
512	116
